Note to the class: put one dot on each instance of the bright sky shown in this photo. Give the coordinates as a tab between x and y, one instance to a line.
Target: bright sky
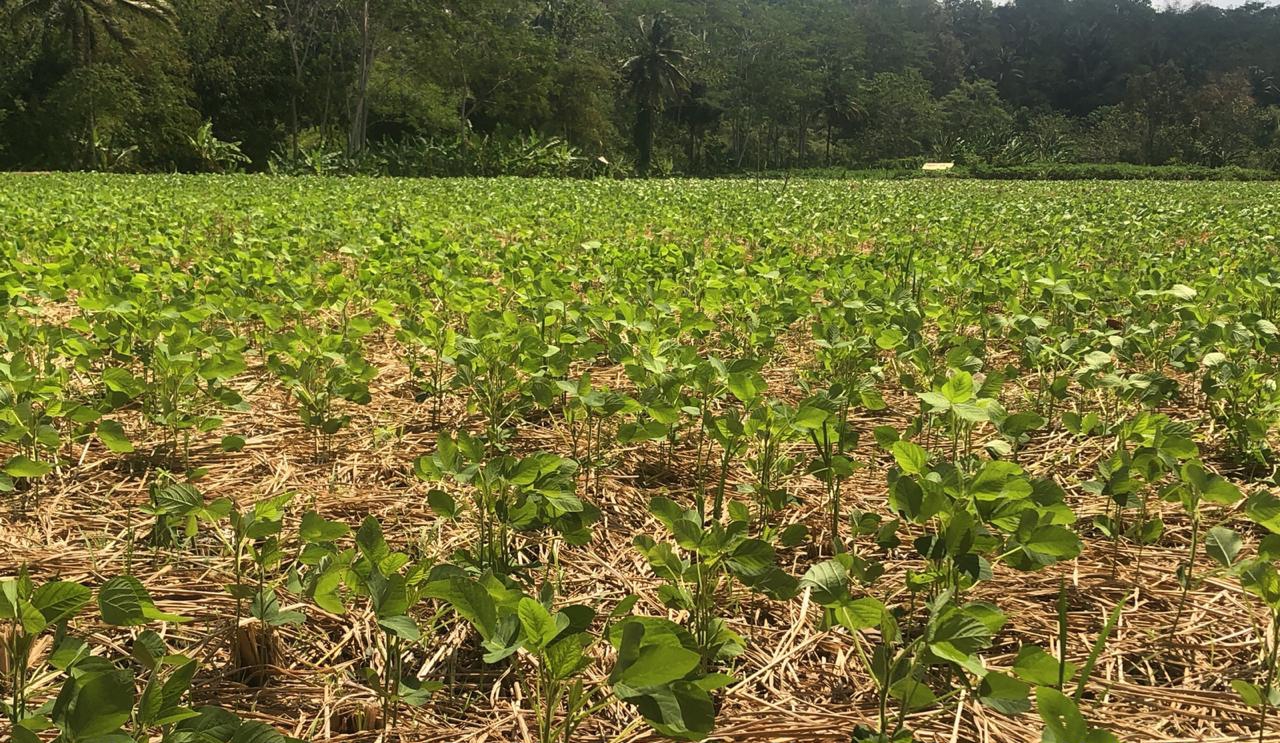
1217	3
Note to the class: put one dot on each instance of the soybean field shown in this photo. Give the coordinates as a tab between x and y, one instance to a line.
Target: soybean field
556	461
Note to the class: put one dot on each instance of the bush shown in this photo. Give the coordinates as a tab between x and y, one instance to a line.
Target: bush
1114	172
422	157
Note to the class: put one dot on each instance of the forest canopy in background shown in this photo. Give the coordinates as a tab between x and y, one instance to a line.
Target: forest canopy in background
575	87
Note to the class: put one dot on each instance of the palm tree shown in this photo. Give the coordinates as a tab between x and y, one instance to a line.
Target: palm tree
84	23
652	76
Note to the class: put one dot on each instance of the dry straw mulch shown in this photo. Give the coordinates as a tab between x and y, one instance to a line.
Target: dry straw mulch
796	683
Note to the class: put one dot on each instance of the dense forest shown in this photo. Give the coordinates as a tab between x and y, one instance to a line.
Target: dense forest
425	87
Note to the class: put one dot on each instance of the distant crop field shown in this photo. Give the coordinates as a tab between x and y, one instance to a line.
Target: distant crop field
539	460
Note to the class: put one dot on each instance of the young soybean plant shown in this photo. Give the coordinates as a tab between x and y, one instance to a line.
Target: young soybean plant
715	554
945	647
30	401
820	419
588	410
1196	485
1259	576
658	666
185	384
99	700
431	335
1148	448
487	368
508	495
256	535
388	581
972	519
321	368
179	509
34	623
558	640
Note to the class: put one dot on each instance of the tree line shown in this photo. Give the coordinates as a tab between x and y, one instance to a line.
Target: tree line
657	86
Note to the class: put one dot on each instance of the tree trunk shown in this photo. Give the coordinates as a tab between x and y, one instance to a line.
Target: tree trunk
91	138
826	159
358	135
644	138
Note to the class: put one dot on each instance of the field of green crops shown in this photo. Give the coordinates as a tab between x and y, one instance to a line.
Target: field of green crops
521	460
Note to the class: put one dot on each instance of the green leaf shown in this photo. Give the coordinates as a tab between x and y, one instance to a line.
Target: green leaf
912	693
112	435
1249	693
470	600
1056	542
828	580
912	458
442	503
1097	359
752	558
1222	545
860	614
538	625
1035	666
120	380
958	388
120	601
371	542
681	710
1062	719
21	466
1264	509
566	657
256	732
1004	693
148	649
657	665
177	498
96	705
809	418
400	626
124	602
232	443
60	599
317	529
937	401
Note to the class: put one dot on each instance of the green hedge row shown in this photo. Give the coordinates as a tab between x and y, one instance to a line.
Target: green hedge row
1034	172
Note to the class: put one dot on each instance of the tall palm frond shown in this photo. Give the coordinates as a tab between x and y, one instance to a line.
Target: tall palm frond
652	75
